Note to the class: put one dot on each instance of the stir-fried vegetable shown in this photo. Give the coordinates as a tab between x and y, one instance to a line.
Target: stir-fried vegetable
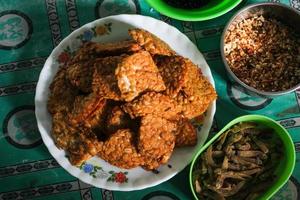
239	165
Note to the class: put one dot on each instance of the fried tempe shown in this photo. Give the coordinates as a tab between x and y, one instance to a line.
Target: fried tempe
196	94
150	42
80	75
156	141
113	100
137	73
185	133
117	119
120	150
62	94
152	103
117	48
80	144
91	50
87	110
186	84
104	81
174	72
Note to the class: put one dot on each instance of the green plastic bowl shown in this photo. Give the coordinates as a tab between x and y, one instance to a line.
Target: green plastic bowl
213	9
285	167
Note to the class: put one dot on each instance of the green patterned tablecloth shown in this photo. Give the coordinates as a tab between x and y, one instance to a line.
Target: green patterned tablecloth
30	29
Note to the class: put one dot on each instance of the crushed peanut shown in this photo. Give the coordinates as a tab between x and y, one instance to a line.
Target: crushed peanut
264	53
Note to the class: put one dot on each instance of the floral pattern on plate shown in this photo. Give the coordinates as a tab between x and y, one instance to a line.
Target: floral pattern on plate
86	36
97	172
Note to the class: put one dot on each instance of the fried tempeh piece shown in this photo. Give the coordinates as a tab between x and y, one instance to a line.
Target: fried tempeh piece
80	144
174	72
150	42
62	95
196	94
186	84
117	119
185	133
155	141
83	146
104	81
84	107
120	150
137	73
152	103
91	50
80	75
117	48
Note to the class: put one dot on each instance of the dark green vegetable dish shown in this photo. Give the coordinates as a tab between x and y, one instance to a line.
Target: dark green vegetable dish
239	165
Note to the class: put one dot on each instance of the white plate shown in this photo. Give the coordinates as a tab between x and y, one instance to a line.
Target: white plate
96	171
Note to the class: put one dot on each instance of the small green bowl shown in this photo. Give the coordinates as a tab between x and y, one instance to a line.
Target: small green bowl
213	9
285	167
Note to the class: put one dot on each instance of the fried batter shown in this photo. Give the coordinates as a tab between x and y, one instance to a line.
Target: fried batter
97	117
137	73
115	101
104	81
150	42
197	93
117	48
83	146
173	70
120	150
61	95
152	103
186	84
79	144
80	75
117	119
90	50
85	108
156	141
185	133
84	53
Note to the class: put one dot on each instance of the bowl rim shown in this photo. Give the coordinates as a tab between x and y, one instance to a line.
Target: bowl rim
251	117
227	67
189	14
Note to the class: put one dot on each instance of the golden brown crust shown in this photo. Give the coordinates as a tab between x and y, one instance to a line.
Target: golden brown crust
196	94
185	133
117	119
84	53
150	42
137	73
91	50
174	72
113	100
79	144
186	84
117	48
80	75
156	141
84	108
152	103
61	95
104	81
120	150
97	118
